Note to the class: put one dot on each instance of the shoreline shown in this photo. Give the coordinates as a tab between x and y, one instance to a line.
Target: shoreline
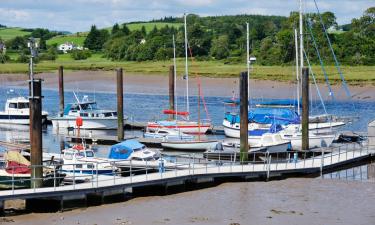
290	201
137	83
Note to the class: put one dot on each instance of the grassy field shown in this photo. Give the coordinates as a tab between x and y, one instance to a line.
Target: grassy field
76	39
12	32
355	75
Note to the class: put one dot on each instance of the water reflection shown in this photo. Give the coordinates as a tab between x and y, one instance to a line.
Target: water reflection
358	173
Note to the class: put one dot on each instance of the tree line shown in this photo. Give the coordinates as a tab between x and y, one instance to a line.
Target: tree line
224	38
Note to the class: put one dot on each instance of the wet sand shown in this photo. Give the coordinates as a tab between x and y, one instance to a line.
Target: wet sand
104	81
291	201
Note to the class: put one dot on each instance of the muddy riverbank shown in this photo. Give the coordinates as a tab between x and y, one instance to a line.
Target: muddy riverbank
104	81
291	201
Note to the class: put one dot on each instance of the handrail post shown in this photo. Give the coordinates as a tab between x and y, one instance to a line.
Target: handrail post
313	157
74	177
193	162
13	180
304	160
130	171
146	170
97	175
321	164
114	174
54	177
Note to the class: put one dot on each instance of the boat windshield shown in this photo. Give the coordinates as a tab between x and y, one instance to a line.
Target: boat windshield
138	149
88	106
23	105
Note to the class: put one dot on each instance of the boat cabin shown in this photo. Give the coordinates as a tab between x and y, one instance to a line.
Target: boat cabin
87	110
18	104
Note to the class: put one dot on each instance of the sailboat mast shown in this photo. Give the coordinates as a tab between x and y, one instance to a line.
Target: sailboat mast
247	61
186	68
301	35
297	69
175	75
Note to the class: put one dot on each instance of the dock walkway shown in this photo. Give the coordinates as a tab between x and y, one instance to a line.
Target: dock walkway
199	173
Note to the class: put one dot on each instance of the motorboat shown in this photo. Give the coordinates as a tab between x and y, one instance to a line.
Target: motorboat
17	111
92	117
167	134
132	157
81	160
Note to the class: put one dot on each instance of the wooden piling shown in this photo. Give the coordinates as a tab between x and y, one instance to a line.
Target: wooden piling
171	90
36	133
244	120
120	105
305	108
61	90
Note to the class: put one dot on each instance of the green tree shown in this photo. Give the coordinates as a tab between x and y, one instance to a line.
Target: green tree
115	29
96	39
220	47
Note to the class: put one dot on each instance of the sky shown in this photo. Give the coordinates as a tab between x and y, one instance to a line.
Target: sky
79	15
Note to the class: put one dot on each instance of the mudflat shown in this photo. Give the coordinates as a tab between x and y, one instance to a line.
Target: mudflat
291	201
104	81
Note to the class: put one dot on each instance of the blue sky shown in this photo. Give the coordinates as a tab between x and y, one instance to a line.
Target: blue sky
79	15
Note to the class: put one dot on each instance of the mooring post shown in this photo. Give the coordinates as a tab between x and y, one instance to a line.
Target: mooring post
120	105
244	120
171	90
305	108
35	101
61	90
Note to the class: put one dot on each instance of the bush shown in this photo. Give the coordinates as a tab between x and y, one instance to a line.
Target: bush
23	58
80	54
4	58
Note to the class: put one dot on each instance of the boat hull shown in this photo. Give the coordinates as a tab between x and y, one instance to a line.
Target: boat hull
317	141
18	119
190	145
233	130
88	123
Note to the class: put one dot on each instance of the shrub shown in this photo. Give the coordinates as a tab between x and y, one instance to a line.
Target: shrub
80	54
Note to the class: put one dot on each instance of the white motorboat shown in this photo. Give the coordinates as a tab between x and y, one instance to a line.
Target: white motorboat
79	159
167	134
17	111
92	117
133	157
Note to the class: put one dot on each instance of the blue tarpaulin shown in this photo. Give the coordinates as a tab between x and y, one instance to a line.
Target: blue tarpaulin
124	149
280	116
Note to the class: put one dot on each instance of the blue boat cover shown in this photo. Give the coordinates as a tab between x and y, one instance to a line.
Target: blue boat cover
124	149
280	116
280	102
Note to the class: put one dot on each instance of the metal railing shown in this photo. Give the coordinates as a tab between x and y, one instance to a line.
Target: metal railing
101	174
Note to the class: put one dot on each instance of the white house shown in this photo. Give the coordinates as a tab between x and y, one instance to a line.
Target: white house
65	47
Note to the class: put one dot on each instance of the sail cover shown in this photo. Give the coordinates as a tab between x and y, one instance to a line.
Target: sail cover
16	163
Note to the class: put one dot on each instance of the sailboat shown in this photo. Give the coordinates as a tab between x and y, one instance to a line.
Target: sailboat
262	117
185	125
190	144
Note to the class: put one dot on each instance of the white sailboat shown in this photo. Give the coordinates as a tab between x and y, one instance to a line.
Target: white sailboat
185	125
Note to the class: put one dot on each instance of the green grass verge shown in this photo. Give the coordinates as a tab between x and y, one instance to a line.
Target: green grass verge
12	32
353	74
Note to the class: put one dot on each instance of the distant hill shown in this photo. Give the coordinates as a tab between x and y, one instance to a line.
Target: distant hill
12	32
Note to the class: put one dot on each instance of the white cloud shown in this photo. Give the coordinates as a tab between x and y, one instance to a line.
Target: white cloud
79	15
